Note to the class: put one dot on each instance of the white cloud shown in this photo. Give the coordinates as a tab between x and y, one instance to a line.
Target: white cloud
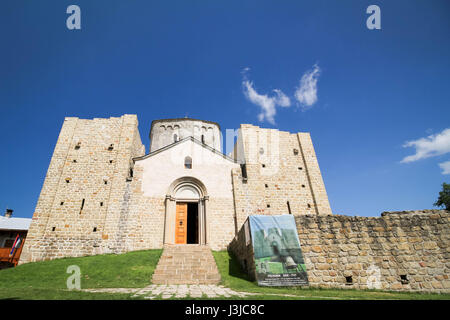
306	93
282	100
267	104
433	145
445	166
244	72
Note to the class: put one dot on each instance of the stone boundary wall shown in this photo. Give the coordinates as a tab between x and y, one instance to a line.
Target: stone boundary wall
399	251
244	253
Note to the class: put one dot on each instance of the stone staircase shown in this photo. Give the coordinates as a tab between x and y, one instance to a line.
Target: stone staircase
186	264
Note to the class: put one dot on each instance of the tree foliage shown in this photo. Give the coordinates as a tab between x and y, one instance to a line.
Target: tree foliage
444	197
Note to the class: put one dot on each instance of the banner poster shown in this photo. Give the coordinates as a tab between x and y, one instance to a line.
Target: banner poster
278	256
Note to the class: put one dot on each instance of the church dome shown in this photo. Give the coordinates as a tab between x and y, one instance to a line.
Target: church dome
164	132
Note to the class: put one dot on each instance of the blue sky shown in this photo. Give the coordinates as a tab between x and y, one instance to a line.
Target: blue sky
376	89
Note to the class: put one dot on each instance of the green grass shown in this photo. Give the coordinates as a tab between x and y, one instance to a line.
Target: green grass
57	294
47	280
129	270
233	277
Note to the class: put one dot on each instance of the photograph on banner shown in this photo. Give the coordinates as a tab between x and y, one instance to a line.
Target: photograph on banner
278	256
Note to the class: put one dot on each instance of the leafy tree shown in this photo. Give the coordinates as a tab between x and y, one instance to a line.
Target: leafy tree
444	197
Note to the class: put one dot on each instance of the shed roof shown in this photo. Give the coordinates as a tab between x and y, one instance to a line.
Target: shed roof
14	223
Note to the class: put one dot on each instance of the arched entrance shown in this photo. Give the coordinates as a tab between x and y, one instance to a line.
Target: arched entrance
185	218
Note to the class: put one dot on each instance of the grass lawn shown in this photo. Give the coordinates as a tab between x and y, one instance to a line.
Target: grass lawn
57	294
47	280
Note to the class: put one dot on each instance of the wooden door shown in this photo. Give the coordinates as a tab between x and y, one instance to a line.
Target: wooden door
181	224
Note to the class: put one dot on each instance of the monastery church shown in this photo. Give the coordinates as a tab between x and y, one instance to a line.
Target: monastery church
103	193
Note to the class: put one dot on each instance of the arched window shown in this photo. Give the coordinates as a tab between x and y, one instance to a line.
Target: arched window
175	137
188	163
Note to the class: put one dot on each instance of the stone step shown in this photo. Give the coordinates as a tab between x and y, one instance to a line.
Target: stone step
187	277
186	274
186	264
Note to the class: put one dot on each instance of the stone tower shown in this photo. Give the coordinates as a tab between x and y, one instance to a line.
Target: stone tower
78	211
279	174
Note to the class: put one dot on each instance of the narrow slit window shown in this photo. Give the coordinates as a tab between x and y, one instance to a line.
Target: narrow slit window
175	138
82	205
289	207
203	138
188	163
244	171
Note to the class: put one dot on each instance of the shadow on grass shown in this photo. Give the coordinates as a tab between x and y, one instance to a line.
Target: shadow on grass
235	269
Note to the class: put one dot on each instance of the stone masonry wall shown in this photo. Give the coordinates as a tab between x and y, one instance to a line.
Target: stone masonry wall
405	251
243	252
163	131
283	175
84	189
